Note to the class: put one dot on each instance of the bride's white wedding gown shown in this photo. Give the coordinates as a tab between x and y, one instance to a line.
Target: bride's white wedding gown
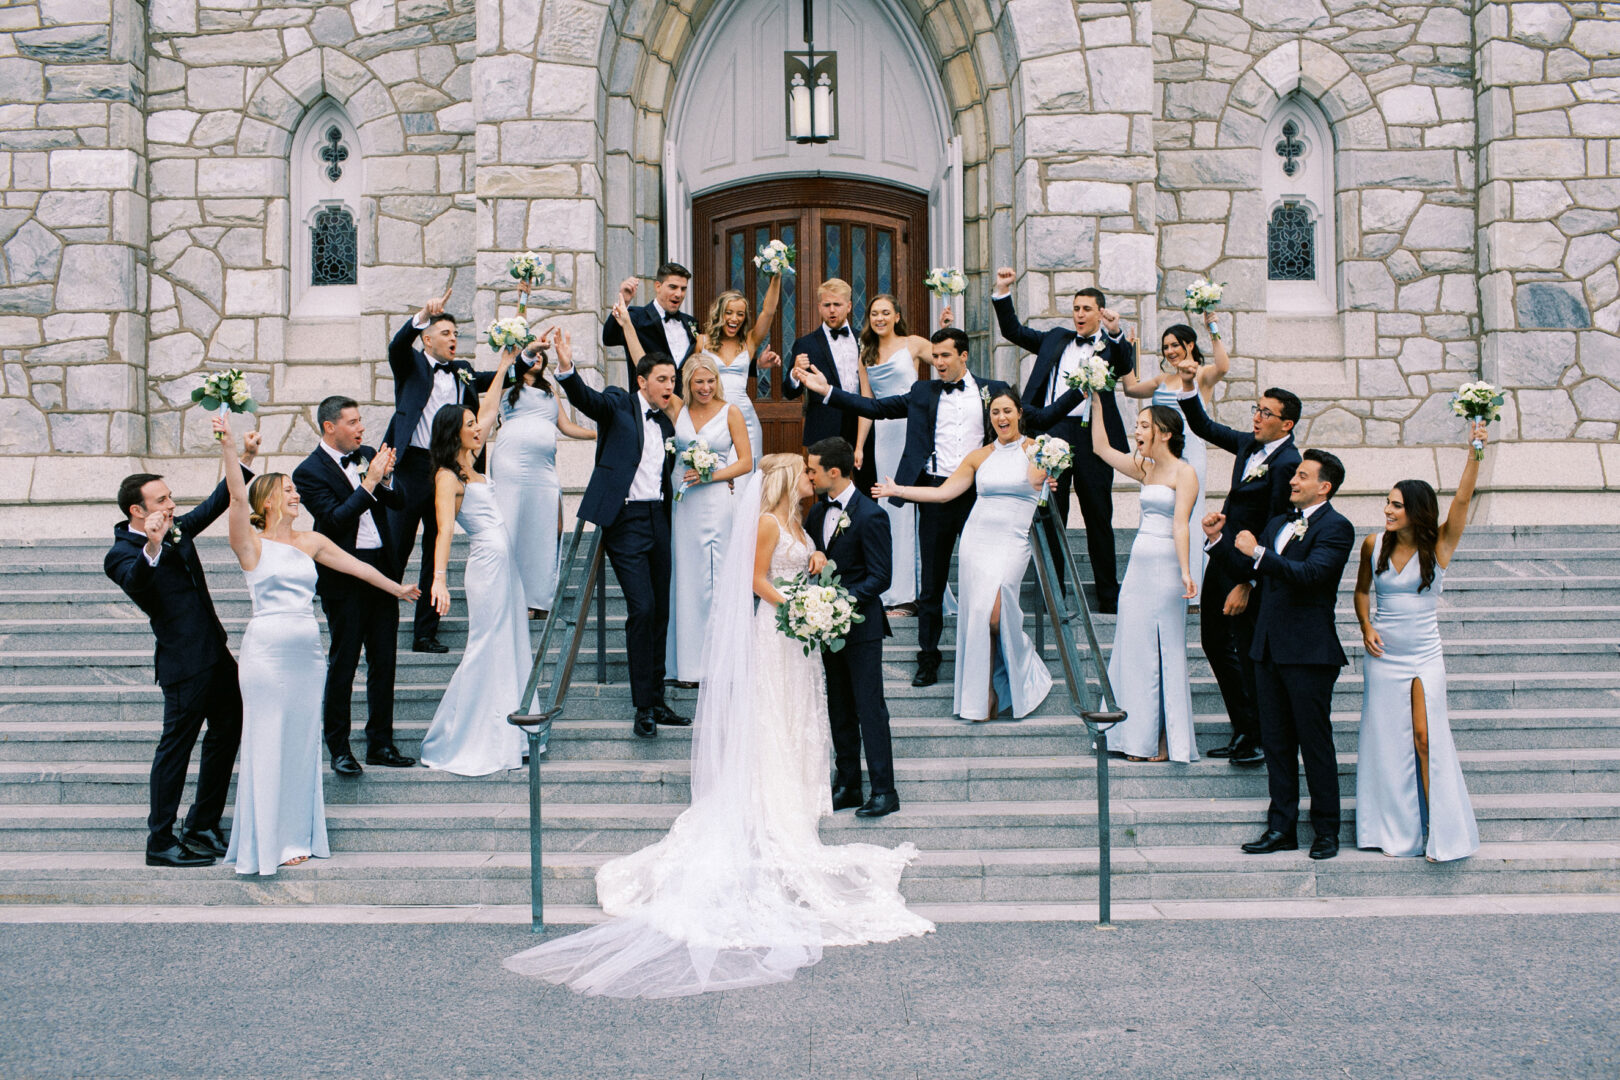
741	890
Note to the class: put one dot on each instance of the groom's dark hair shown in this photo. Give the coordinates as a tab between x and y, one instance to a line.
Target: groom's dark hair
1330	467
835	453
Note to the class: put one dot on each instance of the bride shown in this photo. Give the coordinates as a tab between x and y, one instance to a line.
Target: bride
741	892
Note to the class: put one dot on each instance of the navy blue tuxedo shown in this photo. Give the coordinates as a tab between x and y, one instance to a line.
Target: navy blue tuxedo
193	666
634	534
413	384
1297	658
856	709
821	421
1091	478
1250	503
648	321
358	615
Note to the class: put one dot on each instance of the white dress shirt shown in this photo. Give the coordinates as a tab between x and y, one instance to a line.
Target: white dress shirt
366	537
958	427
446	391
846	353
837	504
1286	534
648	485
674	334
1262	454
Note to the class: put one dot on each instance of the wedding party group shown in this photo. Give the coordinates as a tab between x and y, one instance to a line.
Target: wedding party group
769	581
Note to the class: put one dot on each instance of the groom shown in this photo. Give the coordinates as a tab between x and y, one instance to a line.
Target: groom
853	532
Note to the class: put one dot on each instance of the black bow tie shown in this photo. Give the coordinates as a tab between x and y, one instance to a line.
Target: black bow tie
1296	515
842	331
953	387
444	366
351	459
672	316
652	414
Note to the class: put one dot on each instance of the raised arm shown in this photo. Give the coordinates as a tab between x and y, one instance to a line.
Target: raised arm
244	541
1014	331
957	484
1228	439
588	400
892	407
1121	463
627	336
1457	517
400	349
613	332
1210	374
761	330
489	405
333	557
447	489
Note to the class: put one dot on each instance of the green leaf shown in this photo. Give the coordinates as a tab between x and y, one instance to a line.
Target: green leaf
250	406
197	394
210	403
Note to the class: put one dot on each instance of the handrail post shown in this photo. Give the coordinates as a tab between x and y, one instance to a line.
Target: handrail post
538	735
1098	724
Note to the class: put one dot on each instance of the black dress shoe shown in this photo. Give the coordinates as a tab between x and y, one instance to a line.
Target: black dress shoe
1245	752
206	842
646	725
429	644
1108	607
927	673
663	714
846	798
1272	840
344	764
1324	847
390	756
1224	751
178	855
879	805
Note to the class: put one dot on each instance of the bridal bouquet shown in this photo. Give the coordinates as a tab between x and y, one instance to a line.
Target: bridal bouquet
1478	401
225	391
774	258
533	270
946	282
1052	454
513	333
817	611
697	457
1202	295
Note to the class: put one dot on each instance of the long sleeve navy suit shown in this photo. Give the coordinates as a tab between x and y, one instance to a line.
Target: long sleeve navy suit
648	320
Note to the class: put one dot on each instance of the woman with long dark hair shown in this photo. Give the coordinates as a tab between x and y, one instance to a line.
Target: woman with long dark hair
1407	774
469	734
1148	669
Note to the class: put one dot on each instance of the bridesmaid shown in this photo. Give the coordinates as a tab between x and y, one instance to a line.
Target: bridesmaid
528	493
996	662
732	338
889	358
1187	370
280	816
1148	668
1408	776
469	734
701	518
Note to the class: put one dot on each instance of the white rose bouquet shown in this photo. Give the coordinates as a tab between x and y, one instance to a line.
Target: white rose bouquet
1093	376
225	391
817	611
774	259
1202	295
698	457
513	333
1478	401
946	282
1051	454
532	269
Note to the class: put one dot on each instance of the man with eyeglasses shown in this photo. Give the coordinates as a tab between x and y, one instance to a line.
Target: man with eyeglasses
1265	460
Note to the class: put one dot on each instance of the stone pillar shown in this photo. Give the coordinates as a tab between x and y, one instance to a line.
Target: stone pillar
1549	138
73	229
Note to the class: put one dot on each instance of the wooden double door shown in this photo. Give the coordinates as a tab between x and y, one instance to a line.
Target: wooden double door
873	236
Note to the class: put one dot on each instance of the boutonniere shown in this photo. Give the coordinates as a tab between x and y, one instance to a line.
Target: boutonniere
669	445
175	535
464	376
1298	528
1256	472
984	395
843	523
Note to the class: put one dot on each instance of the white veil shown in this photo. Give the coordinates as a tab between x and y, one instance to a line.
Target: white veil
702	909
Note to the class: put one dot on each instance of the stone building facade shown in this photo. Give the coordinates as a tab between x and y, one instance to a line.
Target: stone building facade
1453	164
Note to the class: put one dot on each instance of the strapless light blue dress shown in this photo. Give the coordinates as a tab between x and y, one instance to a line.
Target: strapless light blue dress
734	381
1196	454
528	491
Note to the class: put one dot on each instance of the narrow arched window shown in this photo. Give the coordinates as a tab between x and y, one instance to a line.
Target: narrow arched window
1291	244
1297	175
333	251
325	222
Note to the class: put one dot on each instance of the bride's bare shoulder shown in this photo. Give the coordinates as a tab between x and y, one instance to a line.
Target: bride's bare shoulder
769	526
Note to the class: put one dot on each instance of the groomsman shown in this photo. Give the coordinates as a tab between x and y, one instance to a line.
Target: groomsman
628	498
834	350
349	489
1058	353
154	560
946	420
660	324
1299	559
853	532
1263	465
425	380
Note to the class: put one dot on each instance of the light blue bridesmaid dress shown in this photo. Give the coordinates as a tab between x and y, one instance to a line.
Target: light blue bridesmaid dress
280	813
1196	454
995	545
1391	810
699	523
1148	669
528	492
734	381
891	376
469	735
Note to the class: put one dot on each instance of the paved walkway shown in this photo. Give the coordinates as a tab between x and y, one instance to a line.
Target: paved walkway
1465	996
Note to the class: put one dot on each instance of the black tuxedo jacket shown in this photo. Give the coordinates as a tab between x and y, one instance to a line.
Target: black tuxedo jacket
919	405
1048	347
821	421
413	384
864	554
337	508
1298	590
619	436
1250	504
174	593
648	320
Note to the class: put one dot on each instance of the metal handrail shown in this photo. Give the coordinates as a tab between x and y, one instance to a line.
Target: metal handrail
1100	712
568	615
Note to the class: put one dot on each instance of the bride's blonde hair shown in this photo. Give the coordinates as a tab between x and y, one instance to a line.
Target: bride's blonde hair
779	479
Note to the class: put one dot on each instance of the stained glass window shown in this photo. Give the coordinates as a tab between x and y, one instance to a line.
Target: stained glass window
737	264
789	292
857	273
885	261
834	251
333	252
1291	244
